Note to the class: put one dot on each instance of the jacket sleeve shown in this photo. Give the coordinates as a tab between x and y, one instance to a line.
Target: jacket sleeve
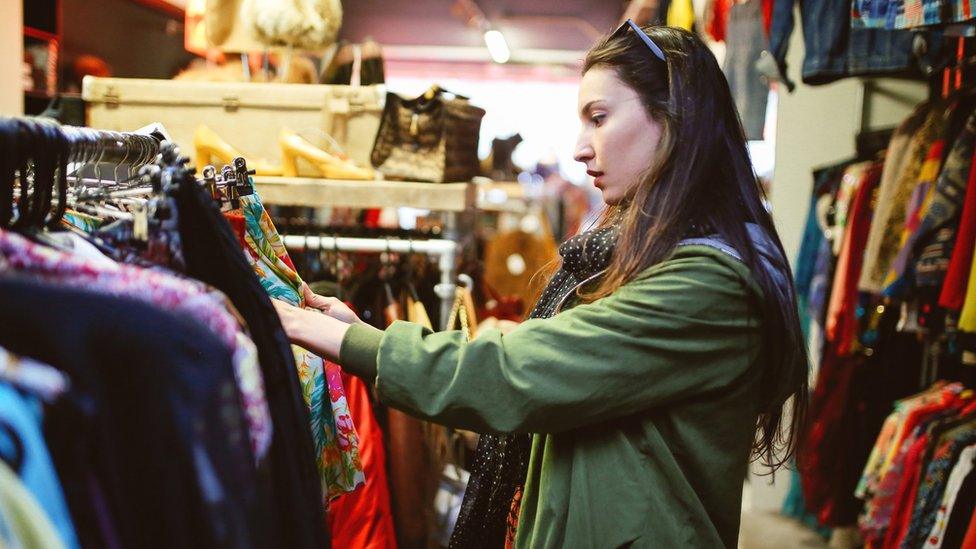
682	329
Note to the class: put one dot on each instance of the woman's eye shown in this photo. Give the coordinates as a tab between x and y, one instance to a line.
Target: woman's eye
597	119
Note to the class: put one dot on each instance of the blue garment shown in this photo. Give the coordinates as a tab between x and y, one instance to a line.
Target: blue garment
908	14
21	417
834	50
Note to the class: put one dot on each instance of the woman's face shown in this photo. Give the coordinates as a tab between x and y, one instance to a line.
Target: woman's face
619	138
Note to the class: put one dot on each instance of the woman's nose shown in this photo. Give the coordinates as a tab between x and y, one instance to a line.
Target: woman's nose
584	151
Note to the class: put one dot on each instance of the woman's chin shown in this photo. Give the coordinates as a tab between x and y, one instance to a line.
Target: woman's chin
610	198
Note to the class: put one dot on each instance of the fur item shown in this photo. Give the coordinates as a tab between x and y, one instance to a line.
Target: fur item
302	24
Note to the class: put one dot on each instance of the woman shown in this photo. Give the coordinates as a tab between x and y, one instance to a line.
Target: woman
671	343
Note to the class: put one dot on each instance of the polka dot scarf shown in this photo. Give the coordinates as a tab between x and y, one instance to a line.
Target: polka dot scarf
489	512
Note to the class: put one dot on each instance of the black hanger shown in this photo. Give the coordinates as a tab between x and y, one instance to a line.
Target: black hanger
23	144
63	155
50	137
7	140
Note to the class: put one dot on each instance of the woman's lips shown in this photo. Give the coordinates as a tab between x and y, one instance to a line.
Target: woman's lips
597	178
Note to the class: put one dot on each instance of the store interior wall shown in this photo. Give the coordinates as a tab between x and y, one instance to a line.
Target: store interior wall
817	126
122	32
11	62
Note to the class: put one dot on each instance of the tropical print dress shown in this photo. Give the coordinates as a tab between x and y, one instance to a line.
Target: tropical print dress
333	432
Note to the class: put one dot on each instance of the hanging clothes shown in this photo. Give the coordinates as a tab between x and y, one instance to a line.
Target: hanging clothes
940	462
745	41
842	321
938	231
334	434
957	277
206	305
836	50
924	126
890	474
23	522
176	468
959	472
363	519
21	421
910	14
899	276
681	14
213	255
961	530
414	469
718	19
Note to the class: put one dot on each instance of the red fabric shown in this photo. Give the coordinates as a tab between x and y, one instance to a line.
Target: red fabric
842	329
720	19
969	542
767	12
371	218
907	490
236	220
912	476
362	519
957	277
821	441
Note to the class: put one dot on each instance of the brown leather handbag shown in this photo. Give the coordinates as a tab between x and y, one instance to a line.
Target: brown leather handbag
432	138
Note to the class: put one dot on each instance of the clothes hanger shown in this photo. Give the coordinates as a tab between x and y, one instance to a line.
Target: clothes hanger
24	143
7	150
64	152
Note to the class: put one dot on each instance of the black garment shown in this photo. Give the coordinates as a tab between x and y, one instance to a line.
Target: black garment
152	424
962	512
214	255
501	460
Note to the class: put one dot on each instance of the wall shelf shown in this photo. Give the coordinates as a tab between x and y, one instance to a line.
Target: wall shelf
326	193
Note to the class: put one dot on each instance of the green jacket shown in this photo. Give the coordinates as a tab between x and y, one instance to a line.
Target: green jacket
643	403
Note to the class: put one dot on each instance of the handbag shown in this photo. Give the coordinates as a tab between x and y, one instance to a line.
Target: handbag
432	138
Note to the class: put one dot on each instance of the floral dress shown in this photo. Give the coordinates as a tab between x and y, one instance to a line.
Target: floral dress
333	432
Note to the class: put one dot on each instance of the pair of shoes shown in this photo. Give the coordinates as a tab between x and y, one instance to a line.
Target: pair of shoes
209	145
294	146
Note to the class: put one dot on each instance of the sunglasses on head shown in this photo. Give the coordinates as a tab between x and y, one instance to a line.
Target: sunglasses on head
629	24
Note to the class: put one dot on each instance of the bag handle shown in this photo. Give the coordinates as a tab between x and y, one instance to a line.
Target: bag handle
437	90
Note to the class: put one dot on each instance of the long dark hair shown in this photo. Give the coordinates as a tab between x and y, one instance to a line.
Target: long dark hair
702	176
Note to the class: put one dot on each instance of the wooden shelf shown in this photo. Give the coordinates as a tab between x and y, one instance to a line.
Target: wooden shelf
502	197
327	193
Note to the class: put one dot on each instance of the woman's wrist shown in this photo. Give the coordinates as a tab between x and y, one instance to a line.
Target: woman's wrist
319	333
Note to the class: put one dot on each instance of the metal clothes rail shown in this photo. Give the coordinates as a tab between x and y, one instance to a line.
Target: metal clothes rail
445	251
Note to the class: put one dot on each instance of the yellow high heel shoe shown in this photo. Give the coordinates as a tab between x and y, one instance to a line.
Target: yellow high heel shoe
294	146
209	146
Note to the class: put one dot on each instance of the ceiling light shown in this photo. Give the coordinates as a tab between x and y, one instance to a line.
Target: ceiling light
497	46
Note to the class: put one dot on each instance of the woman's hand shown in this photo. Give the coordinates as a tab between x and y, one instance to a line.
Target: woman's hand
331	306
313	330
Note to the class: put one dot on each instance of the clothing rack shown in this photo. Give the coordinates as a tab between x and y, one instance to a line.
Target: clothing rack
444	250
88	145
